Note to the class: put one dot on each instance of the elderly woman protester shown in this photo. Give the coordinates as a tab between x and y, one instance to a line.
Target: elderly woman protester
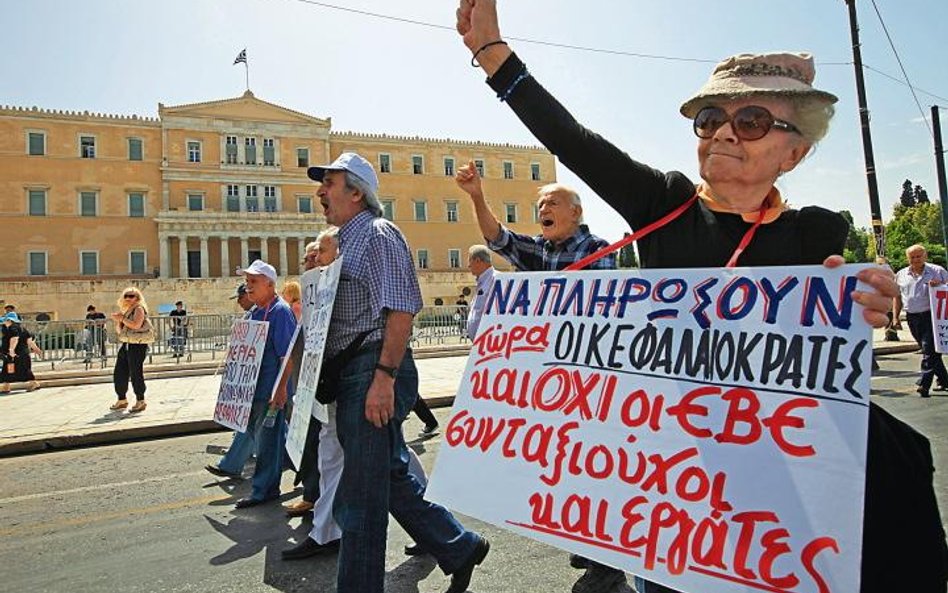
756	118
293	295
134	332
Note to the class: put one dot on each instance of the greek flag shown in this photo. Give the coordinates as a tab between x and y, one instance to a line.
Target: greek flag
241	57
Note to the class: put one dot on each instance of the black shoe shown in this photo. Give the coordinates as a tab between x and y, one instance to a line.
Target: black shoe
309	548
461	577
923	392
429	430
577	561
415	550
246	503
941	387
598	578
217	471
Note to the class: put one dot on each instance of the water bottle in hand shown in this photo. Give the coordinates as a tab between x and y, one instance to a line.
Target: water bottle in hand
270	420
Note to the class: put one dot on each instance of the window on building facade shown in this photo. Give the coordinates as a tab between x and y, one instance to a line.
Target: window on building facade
233	198
421	211
87	147
195	202
536	213
88	263
36	262
87	203
136	262
36	199
535	171
454	258
449	166
269	156
508	170
417	164
136	205
304	204
253	205
250	151
388	209
385	162
422	259
136	149
230	150
479	165
194	151
36	143
451	210
511	212
302	157
269	198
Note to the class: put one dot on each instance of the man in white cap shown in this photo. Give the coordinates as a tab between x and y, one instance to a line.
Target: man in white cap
260	278
377	298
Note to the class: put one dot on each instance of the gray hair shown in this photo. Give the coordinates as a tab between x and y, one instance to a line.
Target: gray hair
480	252
355	183
331	232
312	246
563	190
811	116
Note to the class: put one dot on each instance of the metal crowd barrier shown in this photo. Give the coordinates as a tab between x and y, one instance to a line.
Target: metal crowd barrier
79	343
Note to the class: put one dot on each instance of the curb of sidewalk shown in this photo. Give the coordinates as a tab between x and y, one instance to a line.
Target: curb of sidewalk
895	348
124	435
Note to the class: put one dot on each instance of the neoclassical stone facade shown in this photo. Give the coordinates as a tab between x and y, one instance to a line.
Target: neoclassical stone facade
207	187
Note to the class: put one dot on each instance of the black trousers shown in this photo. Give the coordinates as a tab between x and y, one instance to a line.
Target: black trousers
308	472
128	365
920	324
423	412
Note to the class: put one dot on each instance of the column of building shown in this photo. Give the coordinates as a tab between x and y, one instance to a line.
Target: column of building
164	247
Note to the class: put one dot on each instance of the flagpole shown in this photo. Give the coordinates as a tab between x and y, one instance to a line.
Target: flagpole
247	72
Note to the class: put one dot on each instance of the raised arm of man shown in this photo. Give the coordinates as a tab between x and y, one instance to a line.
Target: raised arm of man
469	180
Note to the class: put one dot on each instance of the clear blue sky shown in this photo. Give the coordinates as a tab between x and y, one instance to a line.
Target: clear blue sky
373	75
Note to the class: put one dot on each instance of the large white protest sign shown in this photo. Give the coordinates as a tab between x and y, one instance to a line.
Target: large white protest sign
705	429
239	379
319	294
938	297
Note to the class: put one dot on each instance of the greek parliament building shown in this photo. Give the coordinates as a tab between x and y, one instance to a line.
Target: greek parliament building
92	202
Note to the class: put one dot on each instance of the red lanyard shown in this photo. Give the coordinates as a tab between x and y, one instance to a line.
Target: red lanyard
745	240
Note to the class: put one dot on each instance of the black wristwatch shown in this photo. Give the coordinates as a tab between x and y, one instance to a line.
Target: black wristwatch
390	371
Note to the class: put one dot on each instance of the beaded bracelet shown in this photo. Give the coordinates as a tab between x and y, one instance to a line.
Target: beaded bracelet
483	47
510	89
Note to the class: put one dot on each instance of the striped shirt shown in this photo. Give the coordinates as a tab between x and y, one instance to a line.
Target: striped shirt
536	254
377	275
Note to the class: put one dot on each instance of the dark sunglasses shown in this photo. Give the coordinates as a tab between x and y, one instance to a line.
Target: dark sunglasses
749	123
130	296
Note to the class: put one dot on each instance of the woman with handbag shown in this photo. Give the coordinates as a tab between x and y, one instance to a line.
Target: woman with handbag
135	333
15	353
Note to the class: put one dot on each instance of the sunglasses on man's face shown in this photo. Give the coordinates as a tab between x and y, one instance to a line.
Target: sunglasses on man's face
749	123
131	296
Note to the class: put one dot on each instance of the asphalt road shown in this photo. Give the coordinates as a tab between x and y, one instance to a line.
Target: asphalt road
145	517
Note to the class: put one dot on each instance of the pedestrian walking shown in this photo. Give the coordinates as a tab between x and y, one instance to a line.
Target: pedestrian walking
15	350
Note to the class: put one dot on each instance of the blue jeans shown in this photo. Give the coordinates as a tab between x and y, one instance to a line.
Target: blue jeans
271	444
375	482
244	443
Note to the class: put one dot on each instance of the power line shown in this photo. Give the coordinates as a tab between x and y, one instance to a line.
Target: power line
904	73
591	49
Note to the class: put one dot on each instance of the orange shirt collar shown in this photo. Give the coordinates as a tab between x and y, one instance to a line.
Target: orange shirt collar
773	203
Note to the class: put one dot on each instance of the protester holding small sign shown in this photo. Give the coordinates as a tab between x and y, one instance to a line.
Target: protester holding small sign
914	281
377	297
756	118
267	420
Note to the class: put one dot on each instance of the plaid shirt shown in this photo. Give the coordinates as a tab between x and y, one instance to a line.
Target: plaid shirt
536	254
377	275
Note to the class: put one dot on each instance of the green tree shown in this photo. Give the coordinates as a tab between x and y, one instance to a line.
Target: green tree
907	198
627	257
920	224
857	242
921	196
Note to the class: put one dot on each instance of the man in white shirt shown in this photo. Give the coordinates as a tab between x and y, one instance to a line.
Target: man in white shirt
478	262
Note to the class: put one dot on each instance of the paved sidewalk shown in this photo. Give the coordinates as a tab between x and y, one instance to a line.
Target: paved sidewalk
77	415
